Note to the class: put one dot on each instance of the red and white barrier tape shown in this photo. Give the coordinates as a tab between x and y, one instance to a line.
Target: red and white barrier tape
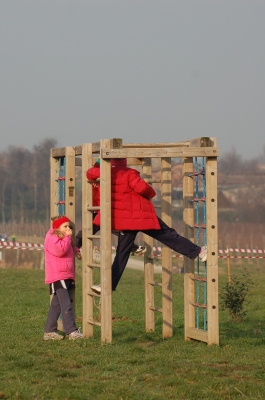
225	253
21	246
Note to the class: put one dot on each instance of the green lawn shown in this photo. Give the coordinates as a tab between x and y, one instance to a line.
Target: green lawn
137	365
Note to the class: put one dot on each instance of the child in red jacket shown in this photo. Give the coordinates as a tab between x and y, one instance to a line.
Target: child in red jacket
92	174
133	212
60	275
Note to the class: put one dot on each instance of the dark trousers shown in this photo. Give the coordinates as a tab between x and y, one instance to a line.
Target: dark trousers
61	305
78	238
166	235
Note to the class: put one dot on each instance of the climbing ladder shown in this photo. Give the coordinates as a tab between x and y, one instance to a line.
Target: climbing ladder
62	193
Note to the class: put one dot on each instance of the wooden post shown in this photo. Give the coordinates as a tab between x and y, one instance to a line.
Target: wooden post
54	166
54	171
228	264
69	206
70	185
87	242
105	246
212	245
149	265
166	251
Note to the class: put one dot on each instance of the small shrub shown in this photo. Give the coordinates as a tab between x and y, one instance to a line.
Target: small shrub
234	296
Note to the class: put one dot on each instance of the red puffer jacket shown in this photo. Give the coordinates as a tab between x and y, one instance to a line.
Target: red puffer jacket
131	208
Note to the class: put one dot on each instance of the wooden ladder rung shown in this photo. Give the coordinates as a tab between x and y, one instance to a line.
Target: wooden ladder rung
92	322
156	284
156	309
92	293
93	265
93	236
152	180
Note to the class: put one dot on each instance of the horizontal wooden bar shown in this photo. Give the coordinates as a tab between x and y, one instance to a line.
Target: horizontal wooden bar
94	294
130	161
156	309
93	236
93	265
93	208
156	284
93	322
197	334
60	152
117	143
153	180
153	145
180	152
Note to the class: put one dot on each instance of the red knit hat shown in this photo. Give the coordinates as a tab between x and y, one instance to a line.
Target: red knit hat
58	222
118	162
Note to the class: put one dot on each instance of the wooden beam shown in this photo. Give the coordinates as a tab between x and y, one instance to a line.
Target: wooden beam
149	266
87	244
105	248
166	216
154	145
173	152
197	334
212	246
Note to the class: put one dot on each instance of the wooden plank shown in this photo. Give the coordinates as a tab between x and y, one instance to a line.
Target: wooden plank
115	143
60	152
173	152
153	145
148	266
70	198
54	167
197	334
87	243
95	148
212	245
105	247
166	216
70	185
188	218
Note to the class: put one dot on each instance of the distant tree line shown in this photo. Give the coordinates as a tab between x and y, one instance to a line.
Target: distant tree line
25	185
249	186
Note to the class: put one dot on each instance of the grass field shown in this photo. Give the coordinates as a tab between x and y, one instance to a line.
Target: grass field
137	365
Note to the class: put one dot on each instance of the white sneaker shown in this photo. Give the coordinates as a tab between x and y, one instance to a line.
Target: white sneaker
96	288
76	335
139	251
52	336
203	254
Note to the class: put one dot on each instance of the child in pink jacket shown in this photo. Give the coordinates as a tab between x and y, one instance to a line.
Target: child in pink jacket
60	275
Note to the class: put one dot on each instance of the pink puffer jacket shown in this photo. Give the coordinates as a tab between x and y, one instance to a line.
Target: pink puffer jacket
59	258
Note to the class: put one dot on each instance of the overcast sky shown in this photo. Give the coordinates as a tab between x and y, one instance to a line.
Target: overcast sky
142	70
